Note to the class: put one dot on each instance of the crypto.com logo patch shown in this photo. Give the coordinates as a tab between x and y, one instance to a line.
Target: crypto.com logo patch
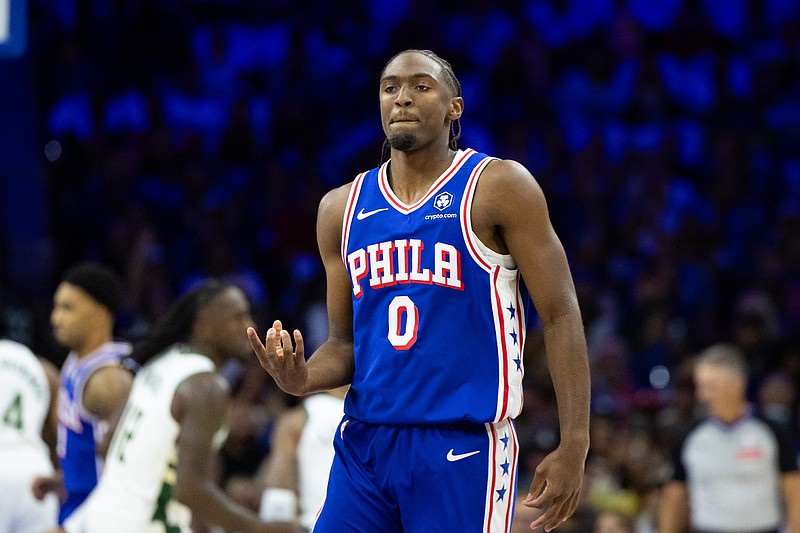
443	200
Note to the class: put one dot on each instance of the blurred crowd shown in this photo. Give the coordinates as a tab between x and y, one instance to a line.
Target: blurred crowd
183	139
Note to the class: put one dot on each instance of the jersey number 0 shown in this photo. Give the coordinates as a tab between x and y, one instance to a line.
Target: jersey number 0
403	322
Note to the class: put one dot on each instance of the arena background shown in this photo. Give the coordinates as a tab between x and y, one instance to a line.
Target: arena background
176	139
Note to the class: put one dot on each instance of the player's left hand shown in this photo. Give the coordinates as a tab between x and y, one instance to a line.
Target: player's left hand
556	486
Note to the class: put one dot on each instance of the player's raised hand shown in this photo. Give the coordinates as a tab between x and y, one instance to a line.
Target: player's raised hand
556	487
283	361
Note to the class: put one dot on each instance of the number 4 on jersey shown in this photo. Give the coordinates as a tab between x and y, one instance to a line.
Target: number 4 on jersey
12	415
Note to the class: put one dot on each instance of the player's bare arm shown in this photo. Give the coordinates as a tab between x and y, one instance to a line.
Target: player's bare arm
332	364
280	470
106	390
510	216
200	406
790	487
49	428
43	485
279	474
104	395
673	512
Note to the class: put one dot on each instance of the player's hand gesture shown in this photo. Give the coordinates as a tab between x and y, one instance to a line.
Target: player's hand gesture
286	365
44	485
556	487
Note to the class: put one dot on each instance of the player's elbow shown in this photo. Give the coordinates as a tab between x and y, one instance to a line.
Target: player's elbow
188	492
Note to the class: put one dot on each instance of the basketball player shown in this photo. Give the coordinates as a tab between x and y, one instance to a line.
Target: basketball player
159	466
28	387
95	379
425	259
296	470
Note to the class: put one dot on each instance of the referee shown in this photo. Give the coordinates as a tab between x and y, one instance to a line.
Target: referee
734	471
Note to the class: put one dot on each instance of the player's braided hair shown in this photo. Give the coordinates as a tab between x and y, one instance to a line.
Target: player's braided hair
176	324
452	82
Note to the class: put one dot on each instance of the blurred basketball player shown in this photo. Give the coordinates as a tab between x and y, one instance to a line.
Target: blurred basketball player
28	387
158	469
95	379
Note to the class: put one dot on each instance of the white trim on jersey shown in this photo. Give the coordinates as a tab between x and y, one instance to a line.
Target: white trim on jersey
466	216
352	200
383	182
504	282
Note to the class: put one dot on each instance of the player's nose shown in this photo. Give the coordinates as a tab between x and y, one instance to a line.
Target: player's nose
403	97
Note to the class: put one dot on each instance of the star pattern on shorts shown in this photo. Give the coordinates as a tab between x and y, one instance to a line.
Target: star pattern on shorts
504	440
514	336
512	311
505	466
501	493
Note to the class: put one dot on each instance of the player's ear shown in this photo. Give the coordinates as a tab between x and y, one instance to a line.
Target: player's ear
456	108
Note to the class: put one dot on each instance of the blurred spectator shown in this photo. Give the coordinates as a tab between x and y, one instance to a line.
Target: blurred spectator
735	470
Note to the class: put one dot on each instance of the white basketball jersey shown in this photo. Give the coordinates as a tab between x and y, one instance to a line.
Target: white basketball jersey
135	491
315	452
24	396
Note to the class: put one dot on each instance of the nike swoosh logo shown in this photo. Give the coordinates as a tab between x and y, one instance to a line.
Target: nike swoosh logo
453	457
362	215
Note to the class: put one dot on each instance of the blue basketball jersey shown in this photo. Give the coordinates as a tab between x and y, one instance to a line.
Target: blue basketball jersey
78	430
438	321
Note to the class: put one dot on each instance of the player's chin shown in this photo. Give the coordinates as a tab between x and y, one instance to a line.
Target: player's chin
240	351
244	353
403	140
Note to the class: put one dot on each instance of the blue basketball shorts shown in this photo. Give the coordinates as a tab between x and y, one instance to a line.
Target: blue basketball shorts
421	479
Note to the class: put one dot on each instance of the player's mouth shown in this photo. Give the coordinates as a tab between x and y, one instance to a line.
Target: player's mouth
402	119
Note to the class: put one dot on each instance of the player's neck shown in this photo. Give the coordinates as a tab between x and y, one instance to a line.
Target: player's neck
412	173
732	412
92	343
204	348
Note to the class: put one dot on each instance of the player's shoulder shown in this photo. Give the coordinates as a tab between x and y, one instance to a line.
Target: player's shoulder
333	205
336	198
780	429
14	348
505	187
507	173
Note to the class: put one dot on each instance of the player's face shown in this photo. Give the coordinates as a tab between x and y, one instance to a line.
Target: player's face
417	105
228	317
717	386
75	315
